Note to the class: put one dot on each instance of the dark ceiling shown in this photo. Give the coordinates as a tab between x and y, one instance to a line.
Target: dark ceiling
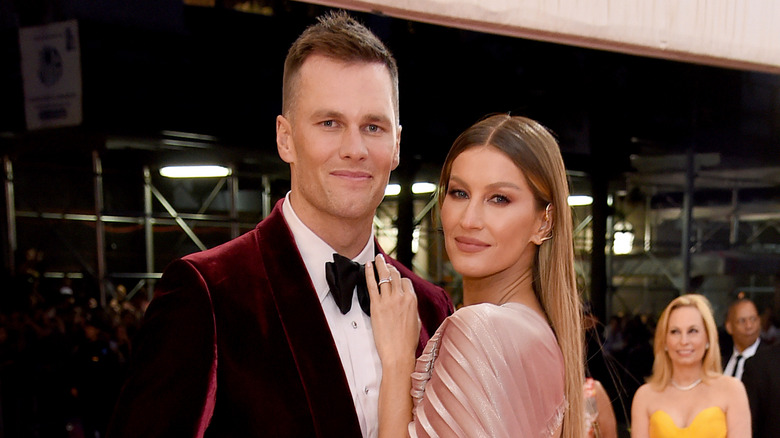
161	65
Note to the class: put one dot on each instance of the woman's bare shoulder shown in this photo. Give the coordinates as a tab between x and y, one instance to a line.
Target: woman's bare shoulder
649	394
731	387
645	394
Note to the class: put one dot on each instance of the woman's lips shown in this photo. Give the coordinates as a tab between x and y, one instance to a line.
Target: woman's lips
468	244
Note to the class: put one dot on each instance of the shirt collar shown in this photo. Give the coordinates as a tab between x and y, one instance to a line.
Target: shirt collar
315	252
750	351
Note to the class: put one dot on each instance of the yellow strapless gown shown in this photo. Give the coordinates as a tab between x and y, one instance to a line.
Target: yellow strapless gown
709	423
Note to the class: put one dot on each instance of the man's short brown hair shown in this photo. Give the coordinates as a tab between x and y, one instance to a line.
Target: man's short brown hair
338	36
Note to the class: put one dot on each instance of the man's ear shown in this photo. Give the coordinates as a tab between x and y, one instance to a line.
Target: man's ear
544	232
397	154
728	327
284	141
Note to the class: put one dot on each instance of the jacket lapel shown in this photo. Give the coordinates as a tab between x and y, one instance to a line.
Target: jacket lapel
307	331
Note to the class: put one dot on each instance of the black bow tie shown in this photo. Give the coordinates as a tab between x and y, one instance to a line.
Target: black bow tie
343	275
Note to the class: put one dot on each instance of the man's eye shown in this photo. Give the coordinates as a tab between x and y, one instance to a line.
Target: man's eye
373	128
327	123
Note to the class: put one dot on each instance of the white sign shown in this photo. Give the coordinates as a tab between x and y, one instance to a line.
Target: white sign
51	72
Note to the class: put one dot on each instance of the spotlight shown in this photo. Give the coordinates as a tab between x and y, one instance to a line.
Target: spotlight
195	171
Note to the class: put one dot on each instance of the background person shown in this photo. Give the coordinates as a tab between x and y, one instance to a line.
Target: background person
762	383
744	326
600	416
687	395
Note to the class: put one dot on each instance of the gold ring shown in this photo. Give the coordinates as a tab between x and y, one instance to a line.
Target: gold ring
384	280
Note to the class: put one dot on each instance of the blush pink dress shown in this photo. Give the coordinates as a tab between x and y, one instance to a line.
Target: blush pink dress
489	371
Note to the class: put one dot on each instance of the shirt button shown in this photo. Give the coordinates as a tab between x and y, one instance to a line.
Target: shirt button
354	324
365	389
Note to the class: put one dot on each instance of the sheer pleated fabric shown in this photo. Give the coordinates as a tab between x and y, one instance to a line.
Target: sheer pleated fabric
489	371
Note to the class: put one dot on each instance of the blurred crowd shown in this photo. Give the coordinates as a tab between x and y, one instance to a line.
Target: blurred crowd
62	355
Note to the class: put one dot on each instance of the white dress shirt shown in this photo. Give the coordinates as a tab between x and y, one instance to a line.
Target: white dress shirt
748	353
352	332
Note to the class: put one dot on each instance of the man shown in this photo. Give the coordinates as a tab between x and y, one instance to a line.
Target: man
744	326
762	383
246	339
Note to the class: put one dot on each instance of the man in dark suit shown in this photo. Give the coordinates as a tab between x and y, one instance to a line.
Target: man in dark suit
246	339
762	383
744	327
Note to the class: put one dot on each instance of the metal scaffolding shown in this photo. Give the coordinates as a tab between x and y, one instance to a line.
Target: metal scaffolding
148	219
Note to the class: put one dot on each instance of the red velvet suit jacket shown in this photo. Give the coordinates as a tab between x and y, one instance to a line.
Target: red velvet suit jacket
235	344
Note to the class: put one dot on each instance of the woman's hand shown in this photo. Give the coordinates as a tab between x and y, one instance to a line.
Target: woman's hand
396	327
394	318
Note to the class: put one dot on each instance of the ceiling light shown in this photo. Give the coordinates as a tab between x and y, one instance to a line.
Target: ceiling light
423	187
579	200
195	171
623	242
392	189
418	188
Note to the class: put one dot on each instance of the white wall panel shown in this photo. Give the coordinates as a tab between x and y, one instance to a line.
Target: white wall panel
742	34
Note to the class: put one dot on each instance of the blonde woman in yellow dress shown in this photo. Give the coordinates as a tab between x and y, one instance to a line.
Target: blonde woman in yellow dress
688	396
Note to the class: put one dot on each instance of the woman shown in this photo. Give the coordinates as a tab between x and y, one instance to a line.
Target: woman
509	362
599	415
687	396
